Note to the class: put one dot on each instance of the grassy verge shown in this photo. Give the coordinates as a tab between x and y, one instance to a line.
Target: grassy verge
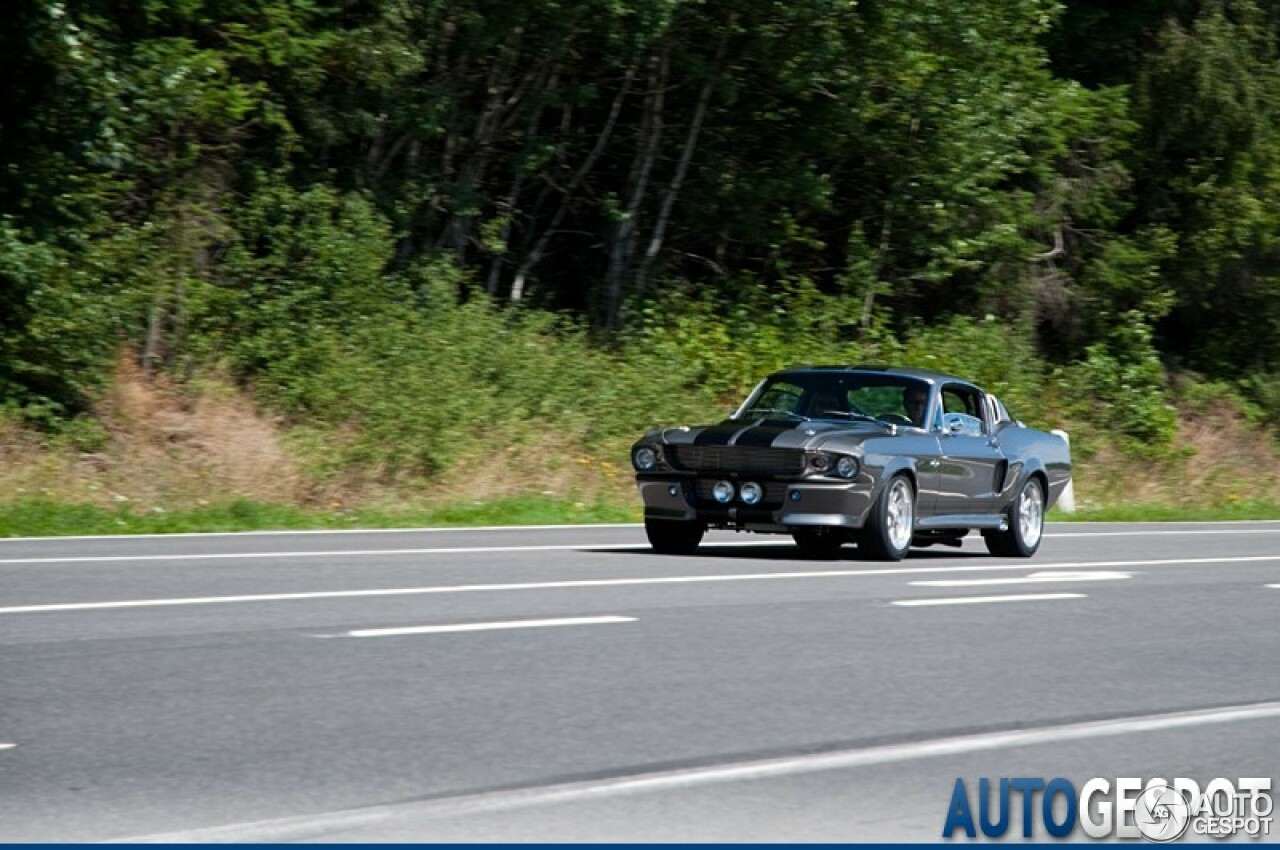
42	518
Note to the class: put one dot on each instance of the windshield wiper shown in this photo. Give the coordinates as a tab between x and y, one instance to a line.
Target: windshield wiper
850	414
765	411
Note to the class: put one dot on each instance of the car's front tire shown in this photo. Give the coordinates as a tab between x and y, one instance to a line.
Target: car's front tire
886	536
673	536
819	542
1026	524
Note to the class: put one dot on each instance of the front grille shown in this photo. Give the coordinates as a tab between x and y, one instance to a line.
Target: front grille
748	460
774	493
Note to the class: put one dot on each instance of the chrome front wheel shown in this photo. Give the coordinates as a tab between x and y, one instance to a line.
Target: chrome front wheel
901	517
886	535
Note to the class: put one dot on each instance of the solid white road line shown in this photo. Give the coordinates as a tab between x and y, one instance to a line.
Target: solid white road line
487	627
615	582
559	547
1035	578
462	529
465	550
1274	586
981	600
363	553
7	746
318	826
332	553
458	529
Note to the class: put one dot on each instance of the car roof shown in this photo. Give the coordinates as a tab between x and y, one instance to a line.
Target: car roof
906	371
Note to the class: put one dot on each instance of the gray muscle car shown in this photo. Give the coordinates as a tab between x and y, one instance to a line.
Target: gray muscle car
886	458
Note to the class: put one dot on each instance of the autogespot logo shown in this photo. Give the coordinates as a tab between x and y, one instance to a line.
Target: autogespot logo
1127	807
1162	813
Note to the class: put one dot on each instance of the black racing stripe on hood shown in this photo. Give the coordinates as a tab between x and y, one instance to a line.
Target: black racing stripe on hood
718	435
763	435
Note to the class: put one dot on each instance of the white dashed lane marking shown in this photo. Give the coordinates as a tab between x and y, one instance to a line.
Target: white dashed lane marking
982	600
1035	578
488	627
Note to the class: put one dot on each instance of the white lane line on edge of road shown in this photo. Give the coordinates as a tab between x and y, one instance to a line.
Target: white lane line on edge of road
558	547
982	600
462	529
486	627
1044	577
365	553
577	583
317	826
457	529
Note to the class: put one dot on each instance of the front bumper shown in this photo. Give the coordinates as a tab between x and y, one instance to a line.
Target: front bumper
804	503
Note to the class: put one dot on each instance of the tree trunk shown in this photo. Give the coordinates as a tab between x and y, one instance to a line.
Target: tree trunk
682	168
886	233
507	206
623	248
602	141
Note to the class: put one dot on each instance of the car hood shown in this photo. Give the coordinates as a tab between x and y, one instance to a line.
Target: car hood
780	433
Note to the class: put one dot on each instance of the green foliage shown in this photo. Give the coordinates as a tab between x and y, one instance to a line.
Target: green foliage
56	326
1122	381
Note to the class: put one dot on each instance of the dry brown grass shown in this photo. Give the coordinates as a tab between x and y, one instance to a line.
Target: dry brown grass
164	448
1224	460
170	447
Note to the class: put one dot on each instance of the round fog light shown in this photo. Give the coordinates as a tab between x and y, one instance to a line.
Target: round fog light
673	491
752	493
795	495
644	458
722	492
847	467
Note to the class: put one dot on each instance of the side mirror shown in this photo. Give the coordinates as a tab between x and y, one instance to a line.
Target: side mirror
961	425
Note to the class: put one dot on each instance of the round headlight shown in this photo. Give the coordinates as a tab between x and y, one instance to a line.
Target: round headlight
722	492
847	467
644	458
752	493
820	462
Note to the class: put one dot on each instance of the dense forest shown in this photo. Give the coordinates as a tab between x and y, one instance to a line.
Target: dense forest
351	205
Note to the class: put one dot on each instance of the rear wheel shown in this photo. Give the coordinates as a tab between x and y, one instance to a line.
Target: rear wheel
819	542
1026	524
673	536
887	533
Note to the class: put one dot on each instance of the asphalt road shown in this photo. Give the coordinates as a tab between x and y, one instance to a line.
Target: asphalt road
261	687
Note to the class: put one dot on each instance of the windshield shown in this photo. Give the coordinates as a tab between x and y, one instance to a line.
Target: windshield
840	396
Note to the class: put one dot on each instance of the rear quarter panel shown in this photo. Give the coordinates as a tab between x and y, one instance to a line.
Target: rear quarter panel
1028	451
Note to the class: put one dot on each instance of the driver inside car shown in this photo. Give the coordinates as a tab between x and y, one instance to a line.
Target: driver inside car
914	399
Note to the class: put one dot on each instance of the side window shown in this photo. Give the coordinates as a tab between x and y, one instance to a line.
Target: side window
997	414
967	402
